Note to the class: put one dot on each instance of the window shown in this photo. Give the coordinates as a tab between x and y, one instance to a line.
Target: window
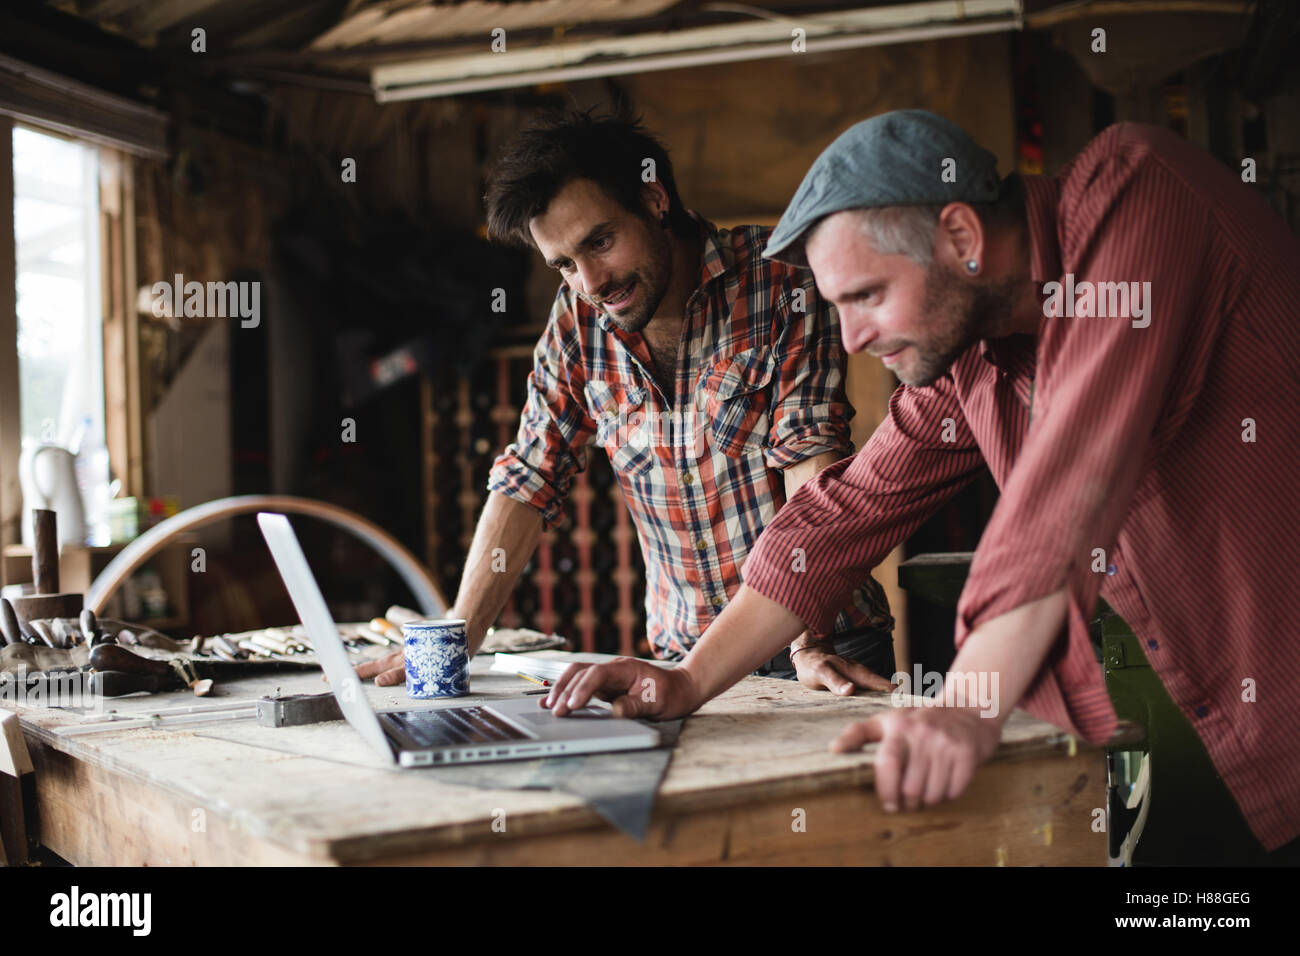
60	323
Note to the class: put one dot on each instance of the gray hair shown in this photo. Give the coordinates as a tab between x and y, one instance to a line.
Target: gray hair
910	230
901	230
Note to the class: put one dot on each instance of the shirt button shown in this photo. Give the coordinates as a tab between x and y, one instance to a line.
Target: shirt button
1154	645
686	478
717	602
701	544
1202	711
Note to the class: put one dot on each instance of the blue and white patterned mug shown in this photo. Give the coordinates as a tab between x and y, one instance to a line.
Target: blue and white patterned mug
437	658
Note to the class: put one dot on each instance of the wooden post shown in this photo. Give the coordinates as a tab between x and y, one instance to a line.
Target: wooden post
123	415
17	792
10	422
45	551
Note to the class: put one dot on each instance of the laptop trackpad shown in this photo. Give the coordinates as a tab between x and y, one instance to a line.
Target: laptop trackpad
588	713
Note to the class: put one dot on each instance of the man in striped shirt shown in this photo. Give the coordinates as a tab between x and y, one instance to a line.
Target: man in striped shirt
1120	346
712	377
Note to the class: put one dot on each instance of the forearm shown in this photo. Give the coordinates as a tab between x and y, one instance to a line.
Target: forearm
1013	646
748	632
801	471
504	540
795	476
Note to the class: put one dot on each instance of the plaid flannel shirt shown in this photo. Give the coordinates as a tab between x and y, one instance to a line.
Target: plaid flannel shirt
758	387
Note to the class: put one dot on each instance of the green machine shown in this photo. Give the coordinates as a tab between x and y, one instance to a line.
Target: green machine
1181	813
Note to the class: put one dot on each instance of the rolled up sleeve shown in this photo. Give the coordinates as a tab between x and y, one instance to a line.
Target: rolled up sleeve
1100	388
810	412
555	427
843	522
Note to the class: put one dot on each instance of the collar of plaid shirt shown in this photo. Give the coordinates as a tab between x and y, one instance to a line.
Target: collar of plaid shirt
717	259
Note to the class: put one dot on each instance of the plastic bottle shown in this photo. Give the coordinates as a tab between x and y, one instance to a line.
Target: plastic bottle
93	479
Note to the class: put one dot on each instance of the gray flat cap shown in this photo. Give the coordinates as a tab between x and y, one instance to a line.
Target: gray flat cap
894	159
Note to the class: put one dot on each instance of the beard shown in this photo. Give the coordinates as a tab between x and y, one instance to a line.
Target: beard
961	314
651	277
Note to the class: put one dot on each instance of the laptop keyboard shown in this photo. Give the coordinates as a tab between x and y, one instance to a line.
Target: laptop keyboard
454	725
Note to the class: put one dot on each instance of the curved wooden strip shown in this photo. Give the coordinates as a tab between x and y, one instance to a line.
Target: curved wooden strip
152	541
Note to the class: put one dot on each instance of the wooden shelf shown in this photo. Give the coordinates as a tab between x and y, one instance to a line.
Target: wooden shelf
22	551
79	565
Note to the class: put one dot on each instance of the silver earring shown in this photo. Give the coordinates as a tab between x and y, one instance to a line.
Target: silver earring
972	266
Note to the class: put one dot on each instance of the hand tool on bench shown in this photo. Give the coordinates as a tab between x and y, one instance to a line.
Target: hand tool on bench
66	631
9	628
91	632
29	636
42	631
160	642
110	657
48	601
16	630
120	683
224	648
190	675
136	673
293	710
119	672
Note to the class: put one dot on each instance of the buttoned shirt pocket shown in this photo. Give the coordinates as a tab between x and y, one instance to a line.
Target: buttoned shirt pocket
734	392
623	426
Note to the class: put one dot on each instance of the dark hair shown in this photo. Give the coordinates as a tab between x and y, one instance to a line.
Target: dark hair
563	146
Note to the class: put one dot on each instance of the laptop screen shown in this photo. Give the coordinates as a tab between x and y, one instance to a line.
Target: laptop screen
324	633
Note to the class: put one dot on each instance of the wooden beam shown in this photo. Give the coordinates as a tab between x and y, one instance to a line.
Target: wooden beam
10	418
133	477
145	20
100	10
1096	9
123	427
71	108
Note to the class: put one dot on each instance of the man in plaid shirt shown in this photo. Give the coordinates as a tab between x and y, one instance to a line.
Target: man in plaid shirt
712	377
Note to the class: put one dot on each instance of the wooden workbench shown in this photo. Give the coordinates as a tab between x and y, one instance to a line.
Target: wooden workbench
232	793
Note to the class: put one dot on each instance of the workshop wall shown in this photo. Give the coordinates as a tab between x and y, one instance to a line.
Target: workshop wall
741	137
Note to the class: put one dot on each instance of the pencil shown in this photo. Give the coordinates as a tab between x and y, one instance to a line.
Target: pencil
535	680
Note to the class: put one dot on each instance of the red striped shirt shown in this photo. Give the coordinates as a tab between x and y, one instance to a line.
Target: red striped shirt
1168	442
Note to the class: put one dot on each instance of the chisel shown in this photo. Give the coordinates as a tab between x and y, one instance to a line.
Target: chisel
10	632
90	629
42	631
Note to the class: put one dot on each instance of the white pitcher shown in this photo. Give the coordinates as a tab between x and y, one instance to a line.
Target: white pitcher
48	475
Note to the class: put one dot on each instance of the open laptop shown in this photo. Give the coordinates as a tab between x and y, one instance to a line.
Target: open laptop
514	729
